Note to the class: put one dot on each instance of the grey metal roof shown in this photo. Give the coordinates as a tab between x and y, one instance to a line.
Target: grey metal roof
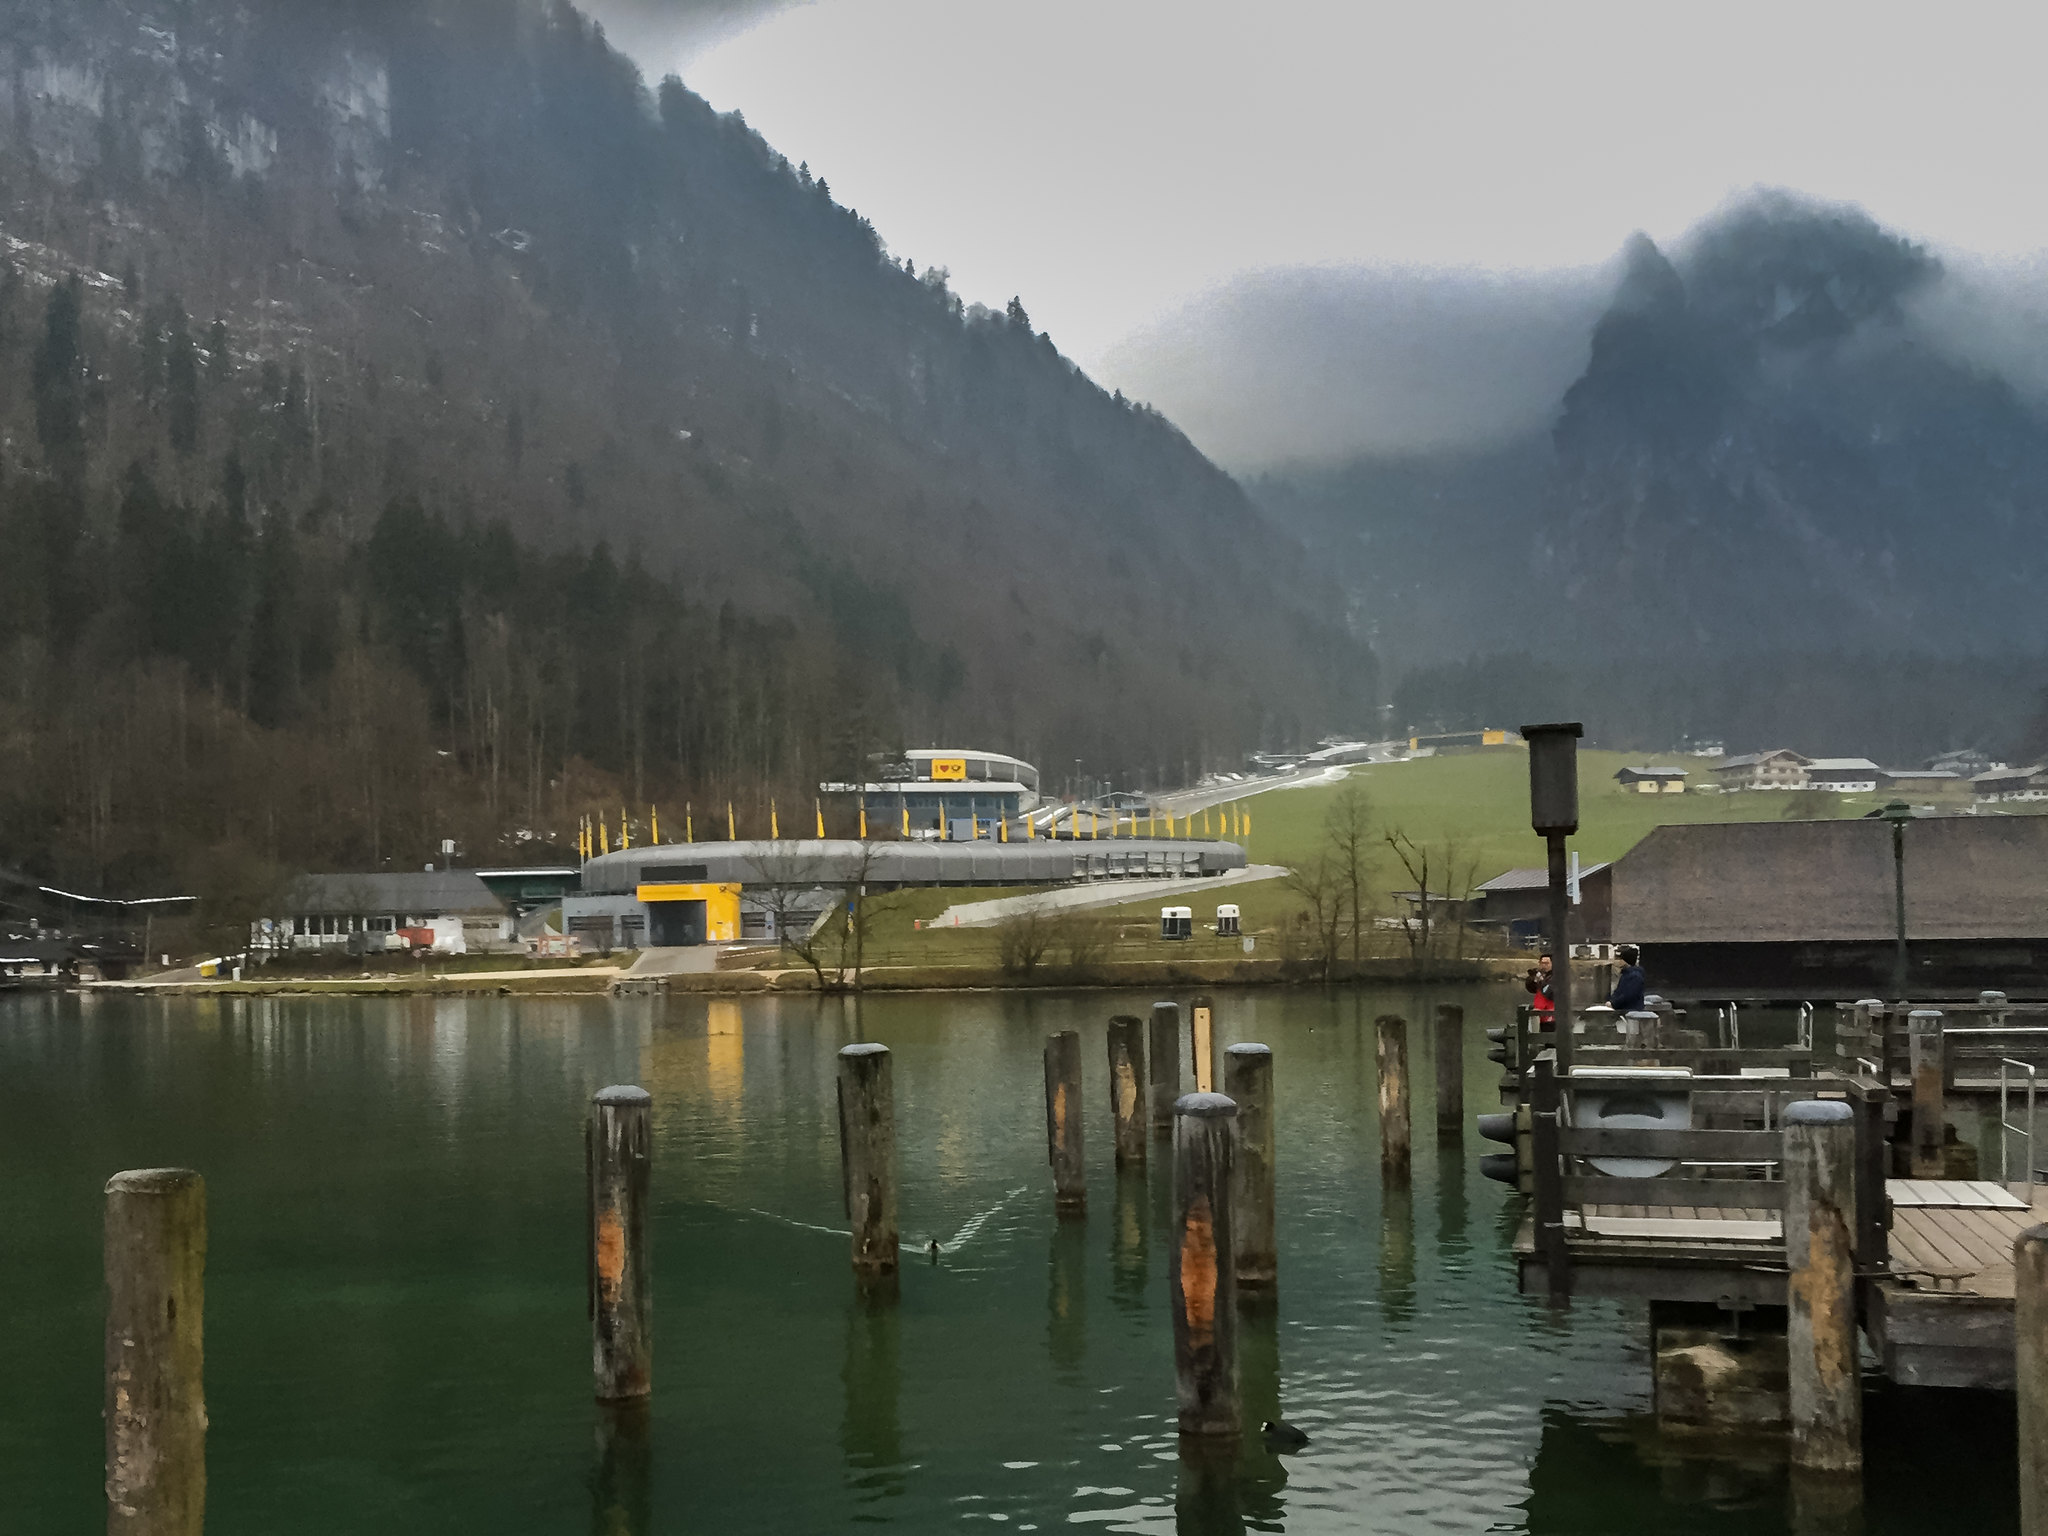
416	892
1652	773
1751	759
811	861
1967	877
1528	879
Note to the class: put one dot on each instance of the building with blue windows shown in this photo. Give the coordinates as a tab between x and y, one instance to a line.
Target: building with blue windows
944	787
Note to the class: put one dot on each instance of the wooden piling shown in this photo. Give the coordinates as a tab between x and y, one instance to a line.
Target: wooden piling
1450	1072
617	1156
1204	1287
1127	1088
1163	1061
1820	1255
2030	1372
155	1255
1064	1120
1202	1044
1930	1121
867	1156
1248	1082
1390	1033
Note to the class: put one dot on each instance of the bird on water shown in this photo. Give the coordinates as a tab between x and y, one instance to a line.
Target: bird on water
1283	1436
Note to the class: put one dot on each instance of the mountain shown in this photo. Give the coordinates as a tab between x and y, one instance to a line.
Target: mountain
1777	503
428	430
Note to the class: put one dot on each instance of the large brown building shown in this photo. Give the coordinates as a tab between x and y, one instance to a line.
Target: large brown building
1806	908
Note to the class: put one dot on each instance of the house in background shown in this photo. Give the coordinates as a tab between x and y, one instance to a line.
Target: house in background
2011	784
1926	781
1652	781
1804	909
1845	775
449	911
1778	769
1518	903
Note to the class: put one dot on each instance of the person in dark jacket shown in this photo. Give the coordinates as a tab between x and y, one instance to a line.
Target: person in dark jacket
1630	985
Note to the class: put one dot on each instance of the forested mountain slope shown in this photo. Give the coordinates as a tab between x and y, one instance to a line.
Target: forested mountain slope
416	427
1778	505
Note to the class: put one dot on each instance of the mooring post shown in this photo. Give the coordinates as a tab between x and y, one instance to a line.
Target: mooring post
867	1156
1202	1043
1163	1064
2030	1374
1127	1088
1820	1290
1063	1120
155	1254
1248	1083
1390	1032
1450	1072
1930	1123
617	1155
1204	1276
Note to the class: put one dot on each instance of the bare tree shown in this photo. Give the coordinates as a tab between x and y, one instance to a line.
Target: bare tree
1415	859
859	914
792	876
1025	938
1326	897
1348	836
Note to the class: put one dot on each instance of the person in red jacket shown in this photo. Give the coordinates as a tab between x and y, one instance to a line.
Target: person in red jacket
1542	994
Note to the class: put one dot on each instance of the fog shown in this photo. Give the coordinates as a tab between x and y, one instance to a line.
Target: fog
1321	365
664	34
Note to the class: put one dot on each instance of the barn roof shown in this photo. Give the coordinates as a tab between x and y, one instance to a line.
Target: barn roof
1967	877
413	892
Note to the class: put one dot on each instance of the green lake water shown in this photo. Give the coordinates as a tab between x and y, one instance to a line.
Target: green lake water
397	1340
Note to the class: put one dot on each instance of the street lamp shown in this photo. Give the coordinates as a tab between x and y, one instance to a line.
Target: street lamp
1554	813
1898	813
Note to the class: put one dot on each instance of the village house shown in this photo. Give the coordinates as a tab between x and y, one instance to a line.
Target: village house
2010	784
1518	903
1652	781
1779	769
448	911
1845	775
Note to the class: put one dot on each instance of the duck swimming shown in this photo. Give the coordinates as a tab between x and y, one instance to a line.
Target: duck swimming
1282	1436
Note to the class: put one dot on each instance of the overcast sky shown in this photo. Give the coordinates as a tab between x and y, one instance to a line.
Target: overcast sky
1114	161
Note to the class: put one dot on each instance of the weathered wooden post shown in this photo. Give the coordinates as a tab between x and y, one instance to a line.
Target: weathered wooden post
1202	1043
1820	1257
1450	1072
155	1254
617	1155
1930	1122
1064	1120
1127	1088
867	1156
1204	1277
1248	1082
1163	1059
1391	1047
2030	1373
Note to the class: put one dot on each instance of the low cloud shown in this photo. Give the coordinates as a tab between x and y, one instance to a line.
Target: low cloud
1306	366
662	35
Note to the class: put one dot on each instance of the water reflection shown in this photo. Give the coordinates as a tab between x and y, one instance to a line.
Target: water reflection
1826	1506
1066	1298
1262	1476
1397	1252
620	1500
1453	1245
871	1436
1205	1496
1130	1242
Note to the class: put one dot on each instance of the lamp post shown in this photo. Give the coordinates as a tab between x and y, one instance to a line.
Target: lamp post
1554	813
1898	813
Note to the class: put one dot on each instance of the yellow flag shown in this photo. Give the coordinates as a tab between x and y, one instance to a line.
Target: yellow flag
1094	823
819	806
906	819
774	824
604	837
1244	820
653	825
625	837
1030	829
1003	830
863	821
689	831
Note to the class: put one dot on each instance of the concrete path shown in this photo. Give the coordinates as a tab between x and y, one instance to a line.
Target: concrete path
1096	893
687	960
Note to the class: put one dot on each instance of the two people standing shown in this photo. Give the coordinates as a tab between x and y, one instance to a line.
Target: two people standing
1629	986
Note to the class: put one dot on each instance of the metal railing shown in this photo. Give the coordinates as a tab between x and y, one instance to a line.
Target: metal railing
2007	1130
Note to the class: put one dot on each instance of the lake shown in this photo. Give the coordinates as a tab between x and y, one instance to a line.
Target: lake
397	1340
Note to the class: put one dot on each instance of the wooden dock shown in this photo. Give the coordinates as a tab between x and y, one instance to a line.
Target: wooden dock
1942	1316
